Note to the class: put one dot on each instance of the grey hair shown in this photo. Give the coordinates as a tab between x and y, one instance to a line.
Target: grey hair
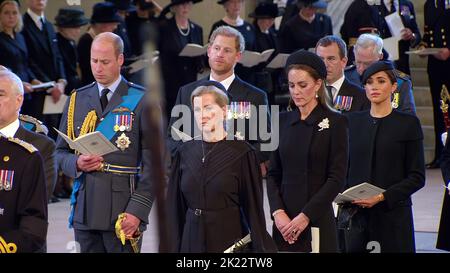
17	84
115	39
229	32
367	40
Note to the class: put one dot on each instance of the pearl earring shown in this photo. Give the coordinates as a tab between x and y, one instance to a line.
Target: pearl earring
317	95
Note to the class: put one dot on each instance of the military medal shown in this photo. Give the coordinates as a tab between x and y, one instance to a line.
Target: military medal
123	142
6	179
395	100
247	109
235	113
123	119
445	98
241	110
229	112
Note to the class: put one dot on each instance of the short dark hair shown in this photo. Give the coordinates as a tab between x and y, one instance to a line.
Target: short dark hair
330	39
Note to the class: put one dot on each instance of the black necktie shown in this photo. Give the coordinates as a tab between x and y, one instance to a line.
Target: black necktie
330	91
42	24
104	98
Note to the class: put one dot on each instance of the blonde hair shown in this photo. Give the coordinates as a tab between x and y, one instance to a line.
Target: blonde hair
19	25
219	96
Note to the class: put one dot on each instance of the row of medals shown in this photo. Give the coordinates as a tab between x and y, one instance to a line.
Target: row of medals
123	123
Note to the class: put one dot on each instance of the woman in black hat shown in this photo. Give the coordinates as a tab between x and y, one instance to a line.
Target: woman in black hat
386	150
233	19
265	38
13	50
105	18
175	33
69	22
309	167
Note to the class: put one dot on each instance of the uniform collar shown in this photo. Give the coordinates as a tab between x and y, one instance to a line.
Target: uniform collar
11	129
112	87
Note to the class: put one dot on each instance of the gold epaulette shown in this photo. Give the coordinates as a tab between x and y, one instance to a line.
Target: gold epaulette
30	148
402	75
39	126
7	247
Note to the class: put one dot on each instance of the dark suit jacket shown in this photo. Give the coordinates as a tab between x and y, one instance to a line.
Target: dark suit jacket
45	61
103	195
388	153
312	187
46	146
443	241
14	55
360	101
238	91
45	58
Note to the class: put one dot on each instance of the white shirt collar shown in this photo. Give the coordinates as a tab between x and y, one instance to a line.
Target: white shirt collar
36	18
112	87
11	129
227	82
337	86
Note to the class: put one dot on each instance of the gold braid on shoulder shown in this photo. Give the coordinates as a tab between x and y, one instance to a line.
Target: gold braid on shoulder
7	247
88	124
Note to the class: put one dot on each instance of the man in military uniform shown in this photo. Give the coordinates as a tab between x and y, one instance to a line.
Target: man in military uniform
116	185
23	201
362	17
347	97
368	50
437	35
11	89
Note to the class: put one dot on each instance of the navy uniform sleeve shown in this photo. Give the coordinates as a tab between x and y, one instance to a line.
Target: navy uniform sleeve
141	200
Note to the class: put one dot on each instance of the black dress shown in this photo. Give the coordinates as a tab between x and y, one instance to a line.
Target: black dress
388	153
307	171
14	55
177	71
214	204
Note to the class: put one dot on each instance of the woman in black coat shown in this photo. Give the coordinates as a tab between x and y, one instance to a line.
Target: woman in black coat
13	50
215	195
175	34
386	150
310	165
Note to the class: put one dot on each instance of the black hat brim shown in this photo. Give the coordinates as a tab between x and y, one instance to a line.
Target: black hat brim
166	9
